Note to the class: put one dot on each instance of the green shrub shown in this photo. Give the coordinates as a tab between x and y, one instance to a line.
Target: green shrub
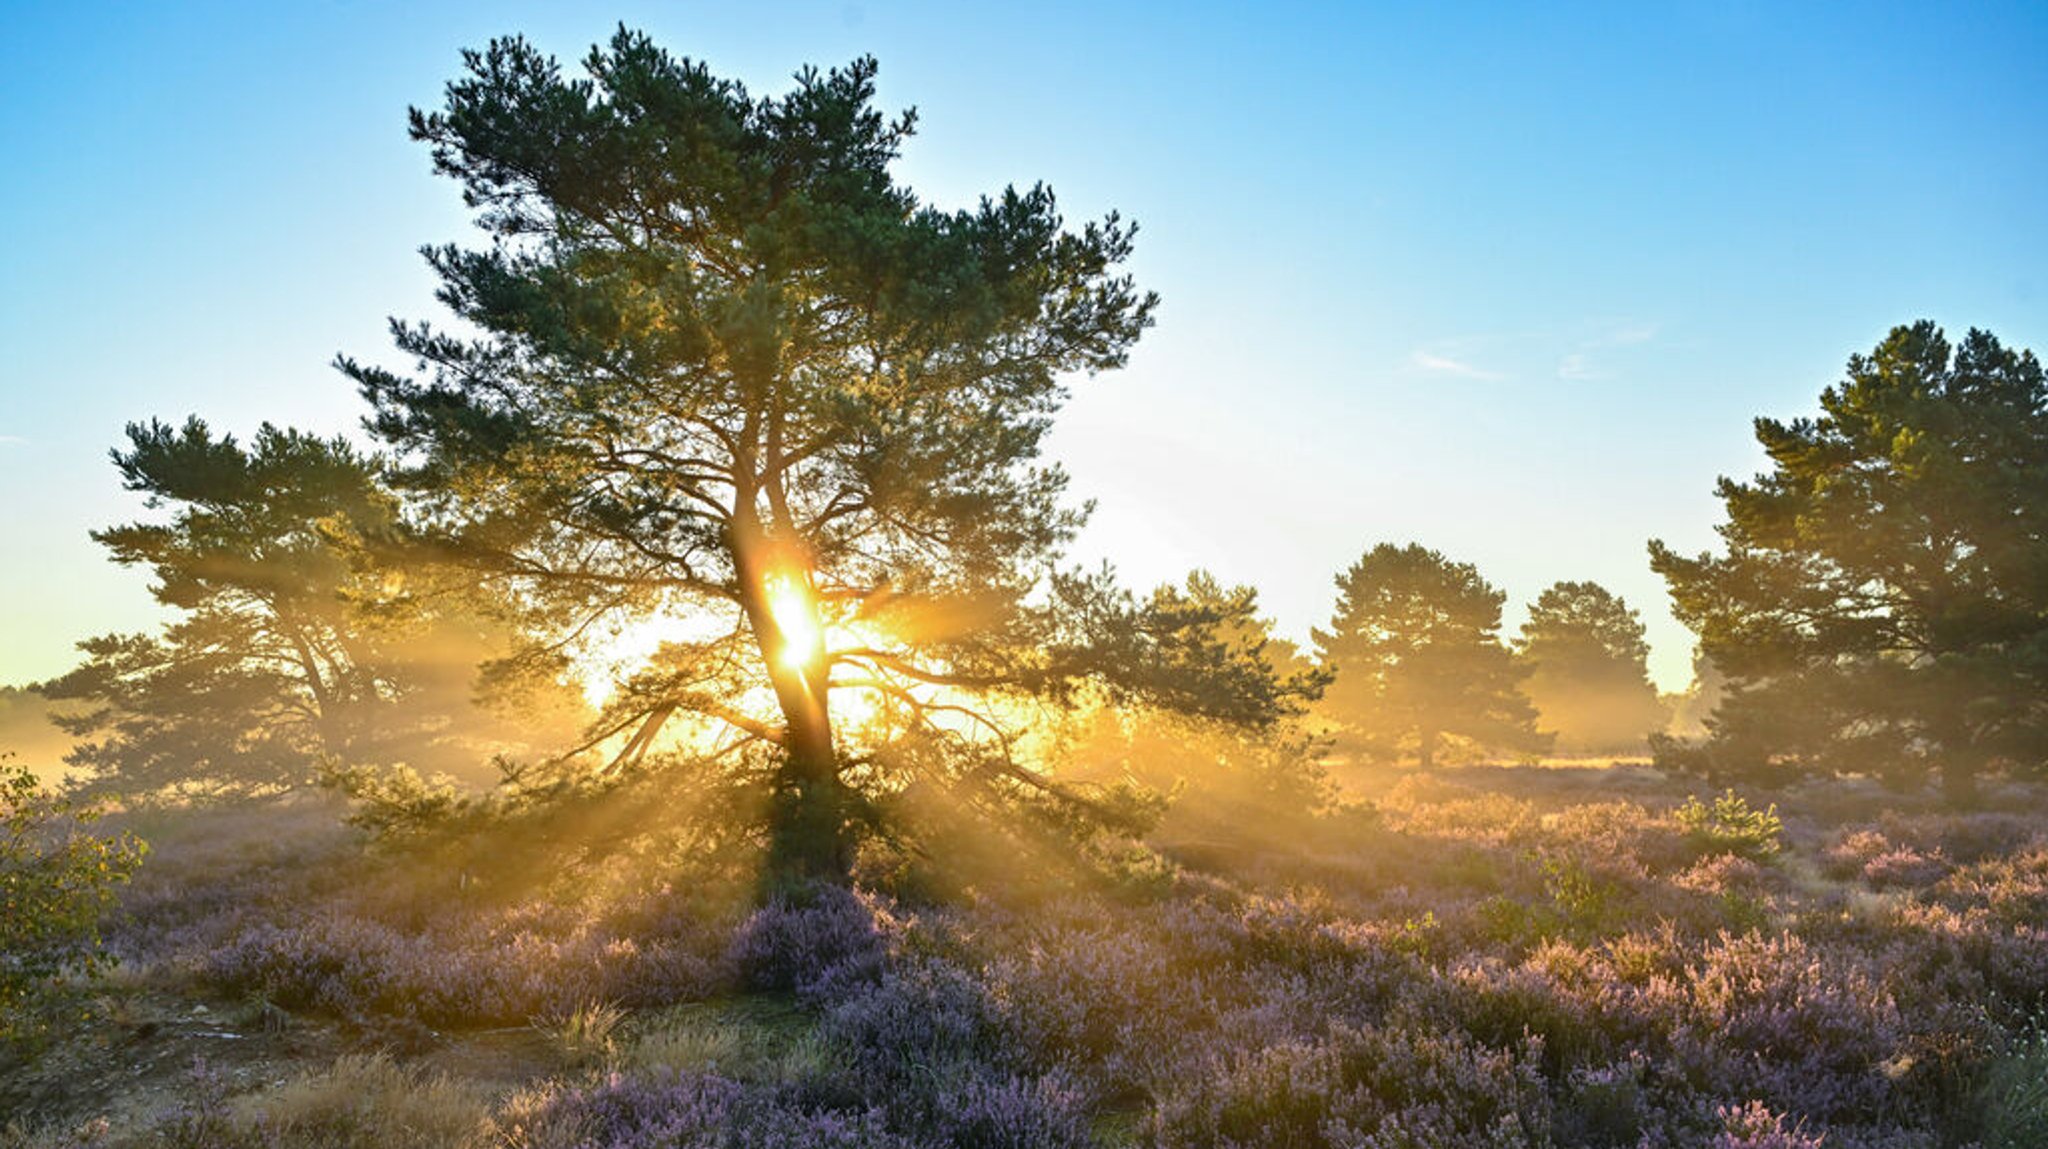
55	880
1730	826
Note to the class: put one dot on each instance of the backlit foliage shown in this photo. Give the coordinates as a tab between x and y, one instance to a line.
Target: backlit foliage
1882	605
728	371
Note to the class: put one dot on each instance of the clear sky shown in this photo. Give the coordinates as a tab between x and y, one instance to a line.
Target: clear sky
1507	281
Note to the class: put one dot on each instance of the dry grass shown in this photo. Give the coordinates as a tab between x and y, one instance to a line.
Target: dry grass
584	1035
369	1101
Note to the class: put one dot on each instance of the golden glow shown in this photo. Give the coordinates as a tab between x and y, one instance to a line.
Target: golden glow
811	629
607	656
796	616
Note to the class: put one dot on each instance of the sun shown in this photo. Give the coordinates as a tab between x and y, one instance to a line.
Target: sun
795	612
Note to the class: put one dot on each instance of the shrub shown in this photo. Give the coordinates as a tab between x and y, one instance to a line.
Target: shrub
989	1112
1753	1126
687	1109
1730	826
1364	1087
55	881
815	941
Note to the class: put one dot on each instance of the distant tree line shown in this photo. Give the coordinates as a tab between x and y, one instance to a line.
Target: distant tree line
1419	668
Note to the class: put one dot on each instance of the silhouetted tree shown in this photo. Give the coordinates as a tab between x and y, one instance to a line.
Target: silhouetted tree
729	370
1588	663
293	646
1415	648
1882	604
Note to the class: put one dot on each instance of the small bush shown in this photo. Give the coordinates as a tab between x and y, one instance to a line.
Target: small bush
1753	1126
1730	826
687	1109
815	942
55	881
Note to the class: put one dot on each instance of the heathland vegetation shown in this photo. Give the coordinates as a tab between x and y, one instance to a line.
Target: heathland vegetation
678	725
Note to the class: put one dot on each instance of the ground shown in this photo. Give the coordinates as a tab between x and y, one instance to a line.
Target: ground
1571	954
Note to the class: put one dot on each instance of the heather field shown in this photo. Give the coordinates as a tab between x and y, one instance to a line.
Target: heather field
1479	956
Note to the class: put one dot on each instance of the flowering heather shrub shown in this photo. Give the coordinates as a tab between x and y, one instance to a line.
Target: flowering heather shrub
1114	1001
1473	969
2013	890
1013	1113
1720	874
1845	856
471	974
1753	1126
820	943
1966	838
1361	1087
922	1013
1621	834
1488	819
1904	868
1611	1104
1773	1019
686	1110
1885	860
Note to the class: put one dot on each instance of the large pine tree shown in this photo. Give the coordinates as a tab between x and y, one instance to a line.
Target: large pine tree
728	370
1882	603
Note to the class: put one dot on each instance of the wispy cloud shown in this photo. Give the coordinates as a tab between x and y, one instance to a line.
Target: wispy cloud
1574	367
1581	365
1445	365
1627	335
12	441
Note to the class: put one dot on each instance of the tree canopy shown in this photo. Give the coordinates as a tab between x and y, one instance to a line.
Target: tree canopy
1414	645
294	644
726	370
1588	663
1882	602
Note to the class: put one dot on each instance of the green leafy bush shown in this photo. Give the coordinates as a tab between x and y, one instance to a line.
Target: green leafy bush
55	879
1730	826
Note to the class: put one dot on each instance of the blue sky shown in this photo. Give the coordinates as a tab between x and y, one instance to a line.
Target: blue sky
1508	281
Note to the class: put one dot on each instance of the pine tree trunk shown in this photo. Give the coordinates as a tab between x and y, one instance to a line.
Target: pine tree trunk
809	828
810	832
1425	752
